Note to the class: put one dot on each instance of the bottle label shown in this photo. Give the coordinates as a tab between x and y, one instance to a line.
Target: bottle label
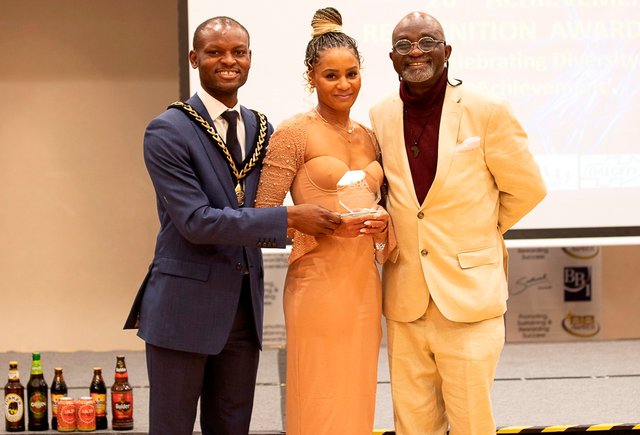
13	407
38	405
122	405
101	404
54	403
121	369
36	368
14	375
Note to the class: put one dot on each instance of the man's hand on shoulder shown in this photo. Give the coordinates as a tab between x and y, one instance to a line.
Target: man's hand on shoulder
312	219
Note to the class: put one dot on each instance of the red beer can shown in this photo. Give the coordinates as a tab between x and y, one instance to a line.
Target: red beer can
85	414
66	414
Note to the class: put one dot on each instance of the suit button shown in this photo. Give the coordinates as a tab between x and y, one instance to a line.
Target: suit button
238	266
424	252
420	215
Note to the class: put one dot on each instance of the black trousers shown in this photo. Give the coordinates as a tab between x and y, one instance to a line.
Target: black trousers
224	383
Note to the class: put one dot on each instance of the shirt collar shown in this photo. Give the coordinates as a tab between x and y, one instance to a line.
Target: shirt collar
215	107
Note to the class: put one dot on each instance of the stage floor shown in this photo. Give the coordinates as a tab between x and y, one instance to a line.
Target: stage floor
537	384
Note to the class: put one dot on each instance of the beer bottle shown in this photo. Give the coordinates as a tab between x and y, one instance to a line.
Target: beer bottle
37	397
121	398
58	390
14	401
98	391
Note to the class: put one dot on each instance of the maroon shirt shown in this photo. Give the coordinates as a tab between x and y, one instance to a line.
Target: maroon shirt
421	129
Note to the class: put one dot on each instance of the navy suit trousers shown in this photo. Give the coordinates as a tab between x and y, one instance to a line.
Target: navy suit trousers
224	383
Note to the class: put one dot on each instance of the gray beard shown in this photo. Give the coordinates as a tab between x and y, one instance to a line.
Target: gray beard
419	76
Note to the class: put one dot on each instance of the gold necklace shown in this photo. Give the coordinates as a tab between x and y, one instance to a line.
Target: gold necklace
348	129
239	175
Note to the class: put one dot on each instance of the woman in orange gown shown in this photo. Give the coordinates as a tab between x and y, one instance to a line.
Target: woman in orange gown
332	296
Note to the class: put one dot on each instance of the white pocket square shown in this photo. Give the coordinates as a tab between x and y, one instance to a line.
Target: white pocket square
469	143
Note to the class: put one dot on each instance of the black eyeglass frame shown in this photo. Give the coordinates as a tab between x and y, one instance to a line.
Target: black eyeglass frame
428	39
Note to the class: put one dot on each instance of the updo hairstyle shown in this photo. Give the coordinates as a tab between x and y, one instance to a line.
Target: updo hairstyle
327	33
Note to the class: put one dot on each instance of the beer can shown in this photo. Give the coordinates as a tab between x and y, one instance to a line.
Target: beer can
85	414
66	414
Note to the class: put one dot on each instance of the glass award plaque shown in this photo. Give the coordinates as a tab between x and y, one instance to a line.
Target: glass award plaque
355	195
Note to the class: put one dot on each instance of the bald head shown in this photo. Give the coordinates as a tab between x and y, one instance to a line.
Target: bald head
216	24
417	20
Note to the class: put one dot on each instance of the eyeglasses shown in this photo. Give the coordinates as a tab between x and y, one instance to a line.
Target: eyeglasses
425	44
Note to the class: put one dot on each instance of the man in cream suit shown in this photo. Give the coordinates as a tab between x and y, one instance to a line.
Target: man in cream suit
460	175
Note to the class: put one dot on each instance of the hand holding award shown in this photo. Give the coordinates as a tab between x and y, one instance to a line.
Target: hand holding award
355	195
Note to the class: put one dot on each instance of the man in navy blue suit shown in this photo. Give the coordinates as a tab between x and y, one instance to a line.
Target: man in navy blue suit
200	307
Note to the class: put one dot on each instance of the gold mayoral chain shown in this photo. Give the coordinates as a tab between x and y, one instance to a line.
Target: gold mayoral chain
255	157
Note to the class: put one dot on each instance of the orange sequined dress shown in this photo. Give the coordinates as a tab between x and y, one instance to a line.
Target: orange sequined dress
332	296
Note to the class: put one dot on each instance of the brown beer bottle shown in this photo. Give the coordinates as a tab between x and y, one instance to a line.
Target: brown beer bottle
121	398
98	391
14	401
37	397
58	390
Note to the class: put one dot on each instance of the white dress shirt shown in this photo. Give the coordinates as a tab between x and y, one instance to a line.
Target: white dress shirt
215	109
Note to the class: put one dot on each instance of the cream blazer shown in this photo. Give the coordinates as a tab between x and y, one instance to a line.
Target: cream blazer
451	246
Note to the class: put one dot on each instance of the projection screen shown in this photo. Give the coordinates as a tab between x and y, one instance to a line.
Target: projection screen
569	69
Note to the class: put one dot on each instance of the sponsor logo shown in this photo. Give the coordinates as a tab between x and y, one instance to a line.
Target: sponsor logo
577	284
539	282
582	252
580	325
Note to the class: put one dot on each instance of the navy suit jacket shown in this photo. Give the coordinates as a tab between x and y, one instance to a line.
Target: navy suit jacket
206	243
